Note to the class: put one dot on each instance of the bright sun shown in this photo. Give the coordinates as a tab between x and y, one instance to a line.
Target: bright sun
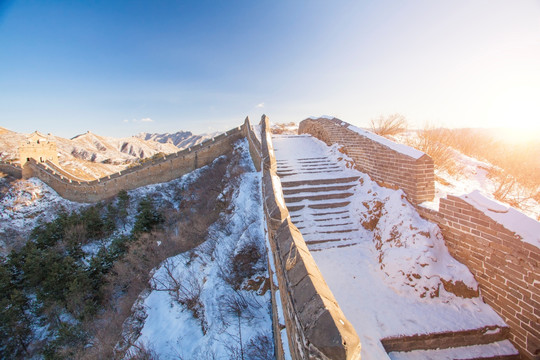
518	110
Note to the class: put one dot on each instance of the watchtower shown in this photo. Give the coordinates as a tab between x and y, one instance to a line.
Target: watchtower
38	147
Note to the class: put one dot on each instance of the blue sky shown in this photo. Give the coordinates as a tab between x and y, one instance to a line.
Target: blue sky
121	67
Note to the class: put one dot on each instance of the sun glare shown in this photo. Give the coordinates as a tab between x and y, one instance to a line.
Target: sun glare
518	111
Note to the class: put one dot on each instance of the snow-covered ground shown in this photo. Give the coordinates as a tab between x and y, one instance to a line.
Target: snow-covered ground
24	204
472	176
212	328
388	274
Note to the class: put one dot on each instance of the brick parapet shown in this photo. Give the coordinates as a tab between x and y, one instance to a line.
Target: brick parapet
505	266
384	164
316	327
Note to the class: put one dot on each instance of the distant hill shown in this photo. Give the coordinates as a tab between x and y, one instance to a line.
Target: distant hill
180	139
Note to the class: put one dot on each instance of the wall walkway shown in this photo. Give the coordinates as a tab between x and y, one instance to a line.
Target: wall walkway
308	322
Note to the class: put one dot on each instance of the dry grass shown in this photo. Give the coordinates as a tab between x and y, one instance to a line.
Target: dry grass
288	128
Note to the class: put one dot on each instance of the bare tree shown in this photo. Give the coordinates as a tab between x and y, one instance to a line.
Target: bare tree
236	305
390	125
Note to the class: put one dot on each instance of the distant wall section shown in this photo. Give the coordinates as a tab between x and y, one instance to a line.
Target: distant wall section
10	169
386	162
164	169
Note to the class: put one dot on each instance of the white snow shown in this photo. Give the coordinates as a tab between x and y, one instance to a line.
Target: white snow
387	280
171	329
400	148
322	117
510	218
25	204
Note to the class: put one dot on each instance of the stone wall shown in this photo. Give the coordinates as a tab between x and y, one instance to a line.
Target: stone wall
10	169
506	267
307	319
373	156
164	169
254	144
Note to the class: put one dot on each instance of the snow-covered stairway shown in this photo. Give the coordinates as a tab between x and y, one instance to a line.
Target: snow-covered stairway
331	204
317	191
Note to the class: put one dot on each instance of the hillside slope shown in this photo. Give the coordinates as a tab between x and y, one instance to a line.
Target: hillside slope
108	252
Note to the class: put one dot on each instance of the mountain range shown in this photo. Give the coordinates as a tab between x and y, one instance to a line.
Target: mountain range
90	156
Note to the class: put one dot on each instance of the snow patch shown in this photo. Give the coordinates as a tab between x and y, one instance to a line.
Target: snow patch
400	148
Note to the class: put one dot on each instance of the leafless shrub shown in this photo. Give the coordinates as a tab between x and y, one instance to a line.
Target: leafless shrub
185	289
141	352
390	125
261	347
434	142
237	306
239	265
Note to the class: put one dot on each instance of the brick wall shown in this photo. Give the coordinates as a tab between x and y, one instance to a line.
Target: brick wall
165	169
384	164
313	325
506	267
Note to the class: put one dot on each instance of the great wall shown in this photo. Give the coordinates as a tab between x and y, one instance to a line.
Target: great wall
308	321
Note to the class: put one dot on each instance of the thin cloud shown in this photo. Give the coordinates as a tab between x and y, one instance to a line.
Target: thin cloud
143	120
261	105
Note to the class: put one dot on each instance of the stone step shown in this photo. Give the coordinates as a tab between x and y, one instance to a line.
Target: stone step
307	190
316	162
323	225
330	219
339	231
329	181
306	172
312	242
313	158
337	243
313	232
501	350
315	166
443	340
324	205
325	237
331	213
336	195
